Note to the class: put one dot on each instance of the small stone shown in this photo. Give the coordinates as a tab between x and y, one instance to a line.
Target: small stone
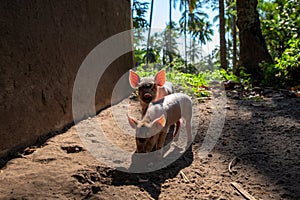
227	107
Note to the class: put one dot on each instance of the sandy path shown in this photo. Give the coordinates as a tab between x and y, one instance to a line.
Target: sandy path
268	130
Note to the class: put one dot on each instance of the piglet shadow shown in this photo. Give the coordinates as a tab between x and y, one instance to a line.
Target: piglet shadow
152	170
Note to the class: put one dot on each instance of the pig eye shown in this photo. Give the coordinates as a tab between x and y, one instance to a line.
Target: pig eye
147	86
141	140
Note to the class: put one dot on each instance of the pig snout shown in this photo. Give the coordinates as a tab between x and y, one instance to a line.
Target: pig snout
147	97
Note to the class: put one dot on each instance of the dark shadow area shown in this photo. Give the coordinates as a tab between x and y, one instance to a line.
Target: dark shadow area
264	136
150	182
155	179
41	141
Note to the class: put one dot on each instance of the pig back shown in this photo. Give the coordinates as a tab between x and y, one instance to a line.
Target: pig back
173	106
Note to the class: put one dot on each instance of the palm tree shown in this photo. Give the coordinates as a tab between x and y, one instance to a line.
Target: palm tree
185	42
250	35
234	44
139	21
194	51
139	11
198	27
182	4
232	31
204	32
170	47
187	5
170	31
223	49
149	31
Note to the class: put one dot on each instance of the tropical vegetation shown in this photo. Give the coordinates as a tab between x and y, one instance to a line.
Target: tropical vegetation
259	41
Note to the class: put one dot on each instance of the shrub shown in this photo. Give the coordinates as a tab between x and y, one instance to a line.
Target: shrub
286	70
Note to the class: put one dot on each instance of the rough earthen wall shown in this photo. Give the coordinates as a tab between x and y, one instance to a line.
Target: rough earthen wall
42	46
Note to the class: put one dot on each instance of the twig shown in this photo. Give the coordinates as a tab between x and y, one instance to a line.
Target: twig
185	178
141	180
156	186
234	159
243	192
231	164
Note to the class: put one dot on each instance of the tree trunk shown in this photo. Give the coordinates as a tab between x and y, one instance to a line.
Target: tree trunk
149	31
185	28
193	51
253	49
234	44
222	36
170	33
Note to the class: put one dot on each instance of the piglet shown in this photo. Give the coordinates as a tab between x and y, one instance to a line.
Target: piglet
151	131
150	89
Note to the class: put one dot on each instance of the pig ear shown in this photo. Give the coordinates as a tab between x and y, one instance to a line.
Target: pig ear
134	79
160	122
132	122
160	77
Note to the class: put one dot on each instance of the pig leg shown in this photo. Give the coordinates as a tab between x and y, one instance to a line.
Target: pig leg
161	142
176	136
161	139
188	127
144	107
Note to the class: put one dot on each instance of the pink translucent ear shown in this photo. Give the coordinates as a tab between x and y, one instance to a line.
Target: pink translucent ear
134	79
132	122
160	77
161	121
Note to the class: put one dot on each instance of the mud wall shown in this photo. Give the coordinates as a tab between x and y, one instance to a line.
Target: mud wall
42	46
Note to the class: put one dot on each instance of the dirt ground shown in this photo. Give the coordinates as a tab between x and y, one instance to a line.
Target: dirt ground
260	143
